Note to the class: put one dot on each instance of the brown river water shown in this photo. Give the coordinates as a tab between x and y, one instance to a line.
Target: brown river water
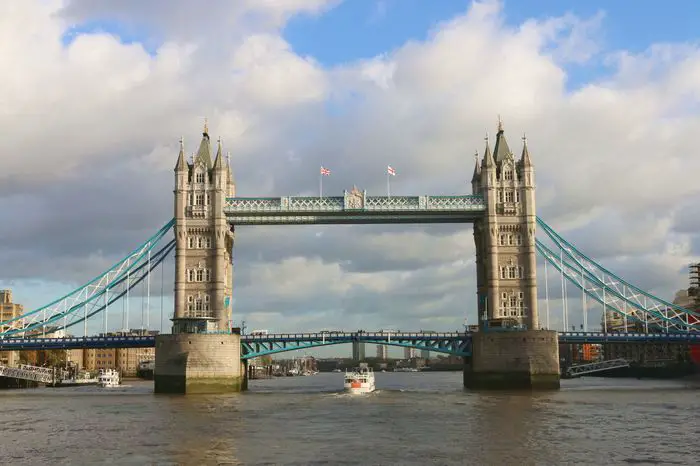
412	419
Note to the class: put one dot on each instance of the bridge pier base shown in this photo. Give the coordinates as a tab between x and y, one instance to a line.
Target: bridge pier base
189	363
513	360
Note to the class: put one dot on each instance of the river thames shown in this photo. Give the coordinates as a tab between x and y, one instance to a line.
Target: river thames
412	419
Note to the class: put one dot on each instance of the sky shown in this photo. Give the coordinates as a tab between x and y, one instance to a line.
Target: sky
95	95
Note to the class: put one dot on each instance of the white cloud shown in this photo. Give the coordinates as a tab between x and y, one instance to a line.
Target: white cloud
90	135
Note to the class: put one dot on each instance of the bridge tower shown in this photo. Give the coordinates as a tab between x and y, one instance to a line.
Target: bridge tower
201	355
509	349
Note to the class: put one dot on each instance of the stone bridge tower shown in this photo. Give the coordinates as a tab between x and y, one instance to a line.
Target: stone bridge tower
509	350
202	355
204	241
505	237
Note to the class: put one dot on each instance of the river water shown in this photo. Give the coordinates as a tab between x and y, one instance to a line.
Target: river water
412	419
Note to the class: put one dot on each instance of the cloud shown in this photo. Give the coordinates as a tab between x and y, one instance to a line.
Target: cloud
90	130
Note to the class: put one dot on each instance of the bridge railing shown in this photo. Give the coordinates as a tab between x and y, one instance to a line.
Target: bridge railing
294	204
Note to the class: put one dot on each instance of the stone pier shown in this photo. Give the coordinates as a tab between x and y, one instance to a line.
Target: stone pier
513	360
199	363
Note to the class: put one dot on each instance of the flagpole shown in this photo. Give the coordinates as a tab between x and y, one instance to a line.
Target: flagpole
388	184
320	185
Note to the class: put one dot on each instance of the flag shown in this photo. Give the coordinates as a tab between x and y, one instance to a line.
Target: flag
390	171
325	171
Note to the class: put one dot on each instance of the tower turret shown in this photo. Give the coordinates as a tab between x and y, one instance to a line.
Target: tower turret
505	238
204	240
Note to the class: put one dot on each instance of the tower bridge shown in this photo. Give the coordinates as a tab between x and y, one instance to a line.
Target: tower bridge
514	347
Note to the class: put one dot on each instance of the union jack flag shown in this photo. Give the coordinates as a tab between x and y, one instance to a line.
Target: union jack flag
325	171
390	171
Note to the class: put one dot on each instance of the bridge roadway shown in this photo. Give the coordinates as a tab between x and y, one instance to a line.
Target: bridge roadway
456	343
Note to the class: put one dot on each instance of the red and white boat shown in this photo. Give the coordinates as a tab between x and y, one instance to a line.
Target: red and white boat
359	380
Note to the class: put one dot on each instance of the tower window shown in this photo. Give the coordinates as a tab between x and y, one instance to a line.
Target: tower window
518	239
503	273
517	196
508	175
510	240
199	178
199	199
208	198
200	242
190	242
207	242
509	196
190	275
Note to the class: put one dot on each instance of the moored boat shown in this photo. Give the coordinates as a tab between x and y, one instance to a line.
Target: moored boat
359	380
108	378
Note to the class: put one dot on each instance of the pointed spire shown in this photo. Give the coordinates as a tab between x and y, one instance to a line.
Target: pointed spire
501	151
204	151
488	158
181	165
525	157
230	170
477	167
219	160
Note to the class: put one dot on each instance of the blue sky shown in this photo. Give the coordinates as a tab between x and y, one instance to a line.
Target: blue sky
351	31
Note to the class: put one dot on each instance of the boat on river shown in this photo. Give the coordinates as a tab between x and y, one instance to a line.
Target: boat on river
359	380
109	378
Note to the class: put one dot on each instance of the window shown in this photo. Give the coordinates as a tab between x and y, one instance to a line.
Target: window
500	196
502	240
508	175
518	239
199	178
208	199
206	298
509	196
190	242
190	298
190	275
510	240
199	199
200	275
517	196
505	296
521	295
503	273
200	242
207	242
198	305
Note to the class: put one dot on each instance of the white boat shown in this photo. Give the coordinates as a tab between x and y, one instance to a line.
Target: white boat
359	380
108	378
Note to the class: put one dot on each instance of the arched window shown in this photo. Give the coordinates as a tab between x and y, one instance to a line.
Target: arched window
199	177
508	175
190	242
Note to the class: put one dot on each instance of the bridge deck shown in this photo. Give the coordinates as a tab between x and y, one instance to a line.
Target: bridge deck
402	338
353	208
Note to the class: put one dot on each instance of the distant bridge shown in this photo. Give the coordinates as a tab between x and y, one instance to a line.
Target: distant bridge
455	343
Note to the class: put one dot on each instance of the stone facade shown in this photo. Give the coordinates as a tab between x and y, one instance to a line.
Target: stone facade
202	355
513	360
508	352
199	363
9	310
204	241
505	237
